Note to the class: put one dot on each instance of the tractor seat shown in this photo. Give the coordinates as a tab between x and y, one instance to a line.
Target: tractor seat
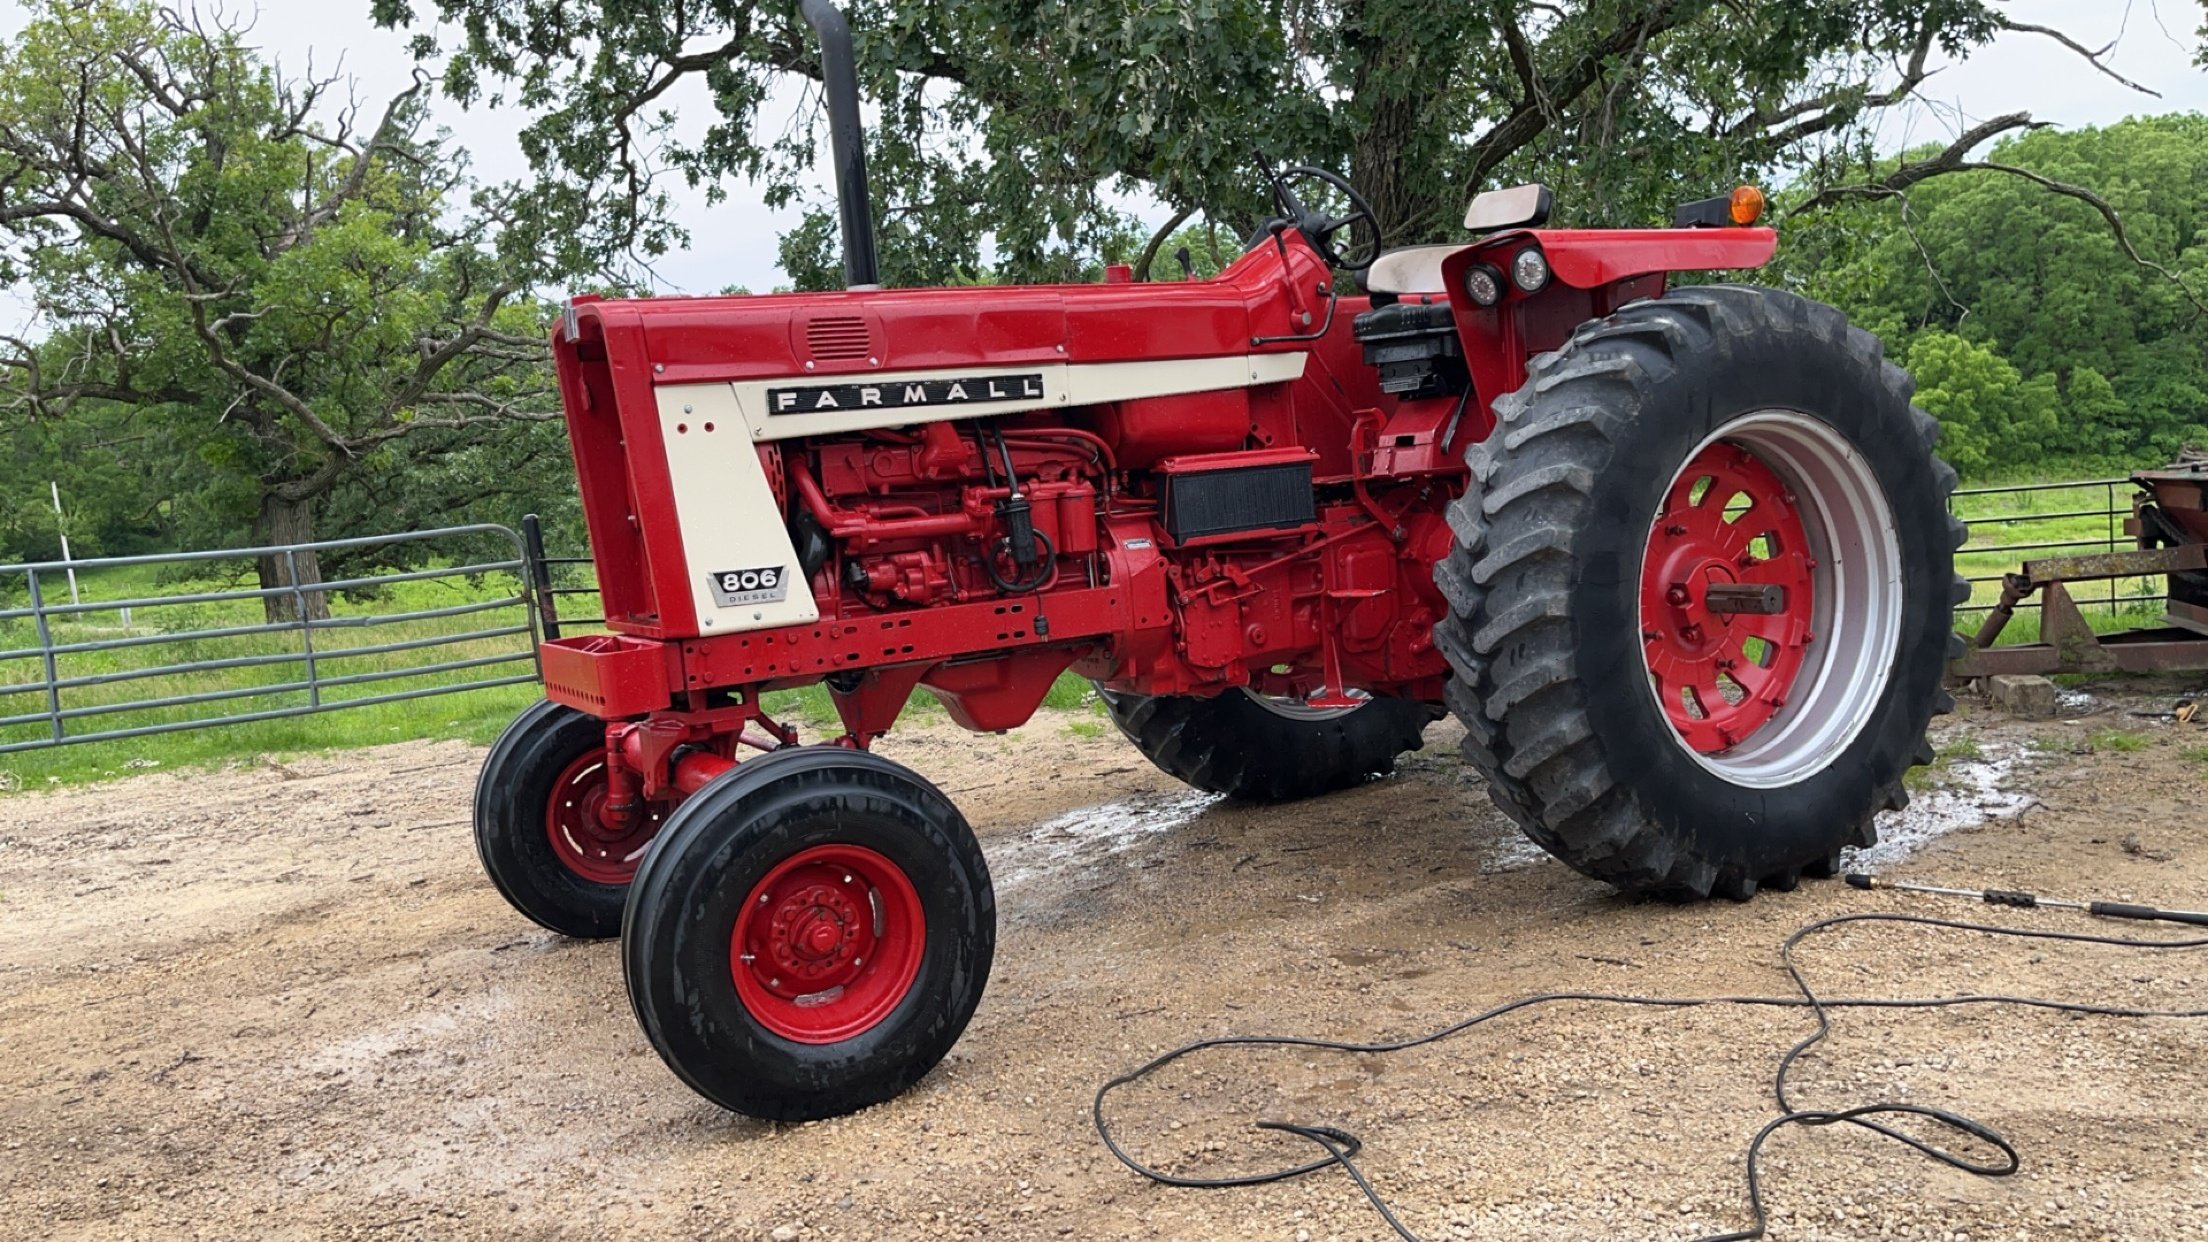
1417	269
1410	270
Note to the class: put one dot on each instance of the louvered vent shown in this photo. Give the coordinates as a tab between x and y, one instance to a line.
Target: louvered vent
837	337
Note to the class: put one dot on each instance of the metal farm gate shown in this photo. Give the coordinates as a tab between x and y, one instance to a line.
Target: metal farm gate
141	661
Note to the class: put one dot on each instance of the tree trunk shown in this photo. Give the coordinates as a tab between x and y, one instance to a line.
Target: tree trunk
1390	90
1378	162
286	521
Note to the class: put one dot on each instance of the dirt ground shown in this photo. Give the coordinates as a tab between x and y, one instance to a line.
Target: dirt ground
281	1001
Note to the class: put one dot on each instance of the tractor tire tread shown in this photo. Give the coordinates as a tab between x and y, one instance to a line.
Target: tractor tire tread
1509	639
1231	744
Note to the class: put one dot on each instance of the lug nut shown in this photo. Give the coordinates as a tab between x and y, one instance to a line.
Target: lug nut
1676	596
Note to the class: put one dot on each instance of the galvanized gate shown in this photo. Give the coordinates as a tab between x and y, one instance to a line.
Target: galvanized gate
96	659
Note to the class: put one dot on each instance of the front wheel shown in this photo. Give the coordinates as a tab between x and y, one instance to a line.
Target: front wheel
810	934
539	830
1702	595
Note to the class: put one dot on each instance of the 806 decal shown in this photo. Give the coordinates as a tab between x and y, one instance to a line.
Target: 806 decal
734	587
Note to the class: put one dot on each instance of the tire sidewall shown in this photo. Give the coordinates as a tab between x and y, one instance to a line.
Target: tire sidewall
1760	829
512	838
679	929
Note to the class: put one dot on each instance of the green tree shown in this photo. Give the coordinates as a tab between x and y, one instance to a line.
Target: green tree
1990	416
2080	258
230	266
1003	123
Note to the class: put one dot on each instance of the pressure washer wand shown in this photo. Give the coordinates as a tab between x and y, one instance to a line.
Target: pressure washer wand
2033	901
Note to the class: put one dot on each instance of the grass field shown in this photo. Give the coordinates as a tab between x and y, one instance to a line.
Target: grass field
2074	519
262	670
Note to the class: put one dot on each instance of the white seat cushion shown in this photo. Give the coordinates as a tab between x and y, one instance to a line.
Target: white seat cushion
1412	269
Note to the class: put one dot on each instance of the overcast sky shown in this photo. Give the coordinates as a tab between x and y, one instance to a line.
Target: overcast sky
733	243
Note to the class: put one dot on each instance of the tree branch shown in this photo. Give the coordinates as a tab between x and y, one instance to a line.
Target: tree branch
2107	212
1952	159
1836	107
2092	57
1531	116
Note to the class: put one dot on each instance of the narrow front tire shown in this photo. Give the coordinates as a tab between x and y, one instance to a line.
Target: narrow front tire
810	935
538	831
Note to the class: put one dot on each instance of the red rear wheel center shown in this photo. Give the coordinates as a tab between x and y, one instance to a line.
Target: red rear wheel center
1723	673
574	817
828	943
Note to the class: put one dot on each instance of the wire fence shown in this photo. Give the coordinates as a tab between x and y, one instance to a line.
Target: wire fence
2011	524
129	654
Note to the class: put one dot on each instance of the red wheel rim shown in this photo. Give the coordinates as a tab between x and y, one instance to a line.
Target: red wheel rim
1721	676
574	819
828	943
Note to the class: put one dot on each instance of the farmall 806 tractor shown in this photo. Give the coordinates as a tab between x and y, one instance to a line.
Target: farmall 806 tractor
1678	560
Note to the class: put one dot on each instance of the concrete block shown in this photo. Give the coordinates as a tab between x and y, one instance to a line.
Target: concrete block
2022	695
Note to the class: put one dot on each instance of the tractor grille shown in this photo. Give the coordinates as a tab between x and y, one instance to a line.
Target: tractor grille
841	336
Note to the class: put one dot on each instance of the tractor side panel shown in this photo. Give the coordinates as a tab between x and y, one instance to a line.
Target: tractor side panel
742	570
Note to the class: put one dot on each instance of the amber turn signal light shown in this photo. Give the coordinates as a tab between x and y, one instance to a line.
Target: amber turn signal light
1747	205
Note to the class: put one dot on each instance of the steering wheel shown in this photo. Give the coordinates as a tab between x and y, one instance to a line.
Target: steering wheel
1321	228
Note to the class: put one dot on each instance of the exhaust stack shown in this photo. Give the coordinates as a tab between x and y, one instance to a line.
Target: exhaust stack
839	79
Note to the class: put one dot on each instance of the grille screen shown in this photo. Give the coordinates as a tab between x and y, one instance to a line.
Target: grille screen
838	337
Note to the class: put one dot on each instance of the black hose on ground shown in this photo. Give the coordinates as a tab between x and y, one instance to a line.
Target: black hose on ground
1340	1147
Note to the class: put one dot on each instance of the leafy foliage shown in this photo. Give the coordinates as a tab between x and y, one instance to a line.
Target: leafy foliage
252	301
2028	326
1005	125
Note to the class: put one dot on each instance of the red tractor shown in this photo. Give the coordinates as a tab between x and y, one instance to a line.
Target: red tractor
1679	560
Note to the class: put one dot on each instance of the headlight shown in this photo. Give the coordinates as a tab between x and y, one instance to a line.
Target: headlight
1530	269
1483	284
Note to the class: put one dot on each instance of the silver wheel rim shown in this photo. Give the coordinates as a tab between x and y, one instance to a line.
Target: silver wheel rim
1856	610
1297	709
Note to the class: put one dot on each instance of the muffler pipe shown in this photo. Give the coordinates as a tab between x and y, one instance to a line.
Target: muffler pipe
839	80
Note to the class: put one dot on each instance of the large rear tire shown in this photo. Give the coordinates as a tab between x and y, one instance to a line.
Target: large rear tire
1264	750
537	827
810	934
1729	436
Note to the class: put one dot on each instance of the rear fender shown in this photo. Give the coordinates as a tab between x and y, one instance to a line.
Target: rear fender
1593	272
1591	258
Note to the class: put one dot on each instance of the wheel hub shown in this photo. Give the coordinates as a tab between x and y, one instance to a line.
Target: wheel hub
1720	670
827	943
817	937
582	838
